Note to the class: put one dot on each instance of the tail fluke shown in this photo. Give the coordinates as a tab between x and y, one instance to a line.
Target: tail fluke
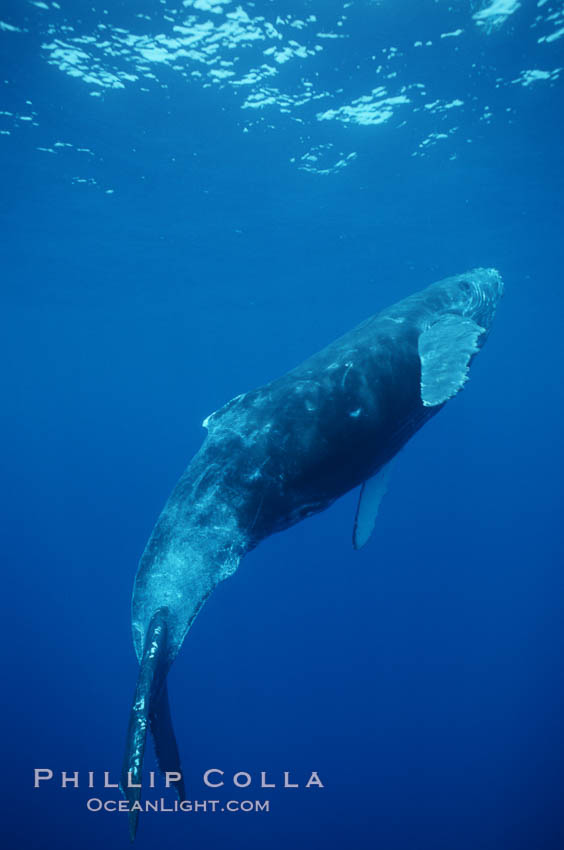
166	748
147	707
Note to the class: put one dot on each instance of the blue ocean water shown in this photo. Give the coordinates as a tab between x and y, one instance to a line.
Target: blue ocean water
197	196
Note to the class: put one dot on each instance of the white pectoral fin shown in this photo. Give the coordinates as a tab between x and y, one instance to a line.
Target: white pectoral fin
371	494
445	351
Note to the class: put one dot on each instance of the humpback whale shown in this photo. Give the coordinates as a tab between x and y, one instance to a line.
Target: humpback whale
280	453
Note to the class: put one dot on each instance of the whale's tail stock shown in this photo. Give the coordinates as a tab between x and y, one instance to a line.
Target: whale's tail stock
151	708
195	544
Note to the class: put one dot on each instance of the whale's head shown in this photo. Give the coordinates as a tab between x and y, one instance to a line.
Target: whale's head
477	295
460	313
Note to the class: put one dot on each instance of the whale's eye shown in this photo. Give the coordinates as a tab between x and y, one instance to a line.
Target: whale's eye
465	286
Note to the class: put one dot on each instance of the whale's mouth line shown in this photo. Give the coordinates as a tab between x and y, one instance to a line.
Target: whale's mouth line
150	709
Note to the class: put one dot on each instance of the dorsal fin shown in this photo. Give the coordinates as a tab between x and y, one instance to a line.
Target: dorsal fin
213	418
445	351
371	494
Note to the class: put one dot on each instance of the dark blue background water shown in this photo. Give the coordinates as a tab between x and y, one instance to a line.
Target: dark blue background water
422	677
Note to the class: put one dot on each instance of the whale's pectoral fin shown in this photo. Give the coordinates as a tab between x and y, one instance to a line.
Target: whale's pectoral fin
445	351
164	739
371	494
148	695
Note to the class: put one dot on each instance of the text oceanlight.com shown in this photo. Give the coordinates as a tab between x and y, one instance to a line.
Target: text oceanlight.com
162	805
